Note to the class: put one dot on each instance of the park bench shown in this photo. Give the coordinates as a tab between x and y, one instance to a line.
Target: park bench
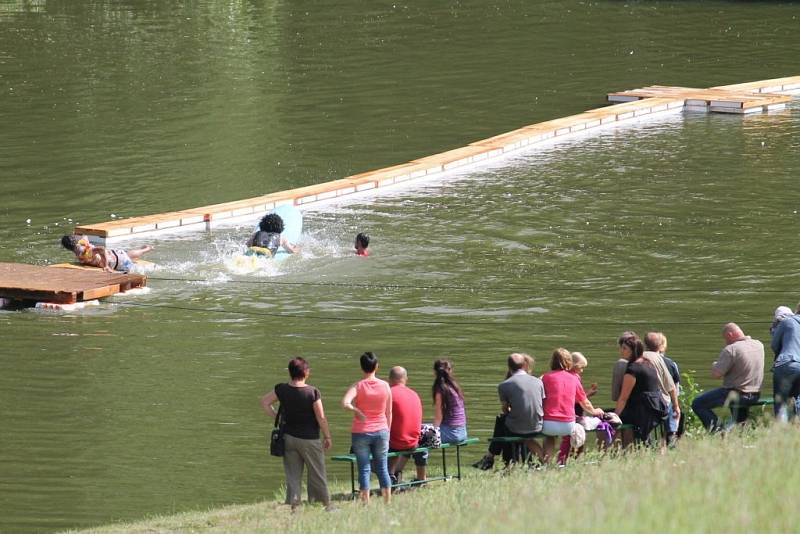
351	459
539	435
760	403
518	440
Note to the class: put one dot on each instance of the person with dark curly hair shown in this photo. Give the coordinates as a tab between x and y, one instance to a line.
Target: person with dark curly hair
267	239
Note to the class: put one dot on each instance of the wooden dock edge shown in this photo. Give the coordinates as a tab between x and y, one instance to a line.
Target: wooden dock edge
59	284
249	210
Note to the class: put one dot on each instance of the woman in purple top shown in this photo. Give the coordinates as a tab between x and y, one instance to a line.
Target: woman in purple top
450	417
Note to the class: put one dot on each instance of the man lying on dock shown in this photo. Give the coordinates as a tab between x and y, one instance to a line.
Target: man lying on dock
110	260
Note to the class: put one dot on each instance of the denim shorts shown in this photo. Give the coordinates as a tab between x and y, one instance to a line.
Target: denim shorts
452	434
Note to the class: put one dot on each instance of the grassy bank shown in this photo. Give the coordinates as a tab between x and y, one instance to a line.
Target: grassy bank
742	482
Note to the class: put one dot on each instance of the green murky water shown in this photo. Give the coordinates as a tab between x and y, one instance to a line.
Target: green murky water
149	404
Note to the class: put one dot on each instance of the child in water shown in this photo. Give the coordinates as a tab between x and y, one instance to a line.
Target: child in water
109	260
267	240
362	242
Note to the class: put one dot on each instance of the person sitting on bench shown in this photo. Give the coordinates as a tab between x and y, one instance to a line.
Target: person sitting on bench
406	424
741	367
521	397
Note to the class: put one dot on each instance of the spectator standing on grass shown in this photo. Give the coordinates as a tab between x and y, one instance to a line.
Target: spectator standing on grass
370	400
781	313
406	424
304	417
786	369
448	400
741	367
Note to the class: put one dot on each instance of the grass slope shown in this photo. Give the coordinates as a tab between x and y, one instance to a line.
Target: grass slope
740	483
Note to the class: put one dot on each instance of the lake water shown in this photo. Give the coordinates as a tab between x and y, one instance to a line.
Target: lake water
149	404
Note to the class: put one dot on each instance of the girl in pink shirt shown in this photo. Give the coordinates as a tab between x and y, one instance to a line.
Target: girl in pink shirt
370	400
562	390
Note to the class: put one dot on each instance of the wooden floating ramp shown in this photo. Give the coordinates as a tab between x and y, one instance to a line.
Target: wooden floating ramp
717	100
765	95
56	284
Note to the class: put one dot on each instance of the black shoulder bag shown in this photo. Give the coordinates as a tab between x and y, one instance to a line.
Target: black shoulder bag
277	444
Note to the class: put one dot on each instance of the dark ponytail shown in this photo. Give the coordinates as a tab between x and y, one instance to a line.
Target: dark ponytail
445	384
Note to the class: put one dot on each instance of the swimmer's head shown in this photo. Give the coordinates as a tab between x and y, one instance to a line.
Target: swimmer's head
362	240
69	242
271	223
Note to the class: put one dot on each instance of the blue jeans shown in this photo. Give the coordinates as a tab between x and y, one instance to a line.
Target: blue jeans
376	444
452	434
786	387
704	404
672	422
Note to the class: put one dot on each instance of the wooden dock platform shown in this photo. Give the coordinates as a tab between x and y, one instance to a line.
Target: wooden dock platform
32	283
760	96
717	100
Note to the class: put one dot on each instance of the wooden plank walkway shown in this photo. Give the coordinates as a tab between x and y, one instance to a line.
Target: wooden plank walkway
720	100
33	283
765	95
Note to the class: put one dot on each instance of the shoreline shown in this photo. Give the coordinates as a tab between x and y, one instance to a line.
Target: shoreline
696	487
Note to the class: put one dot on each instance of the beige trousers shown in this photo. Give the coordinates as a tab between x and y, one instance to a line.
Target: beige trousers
307	453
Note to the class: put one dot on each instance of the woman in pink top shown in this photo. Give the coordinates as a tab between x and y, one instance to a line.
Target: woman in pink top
370	400
562	391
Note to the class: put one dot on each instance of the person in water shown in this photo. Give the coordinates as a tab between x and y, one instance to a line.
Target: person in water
362	243
267	240
108	259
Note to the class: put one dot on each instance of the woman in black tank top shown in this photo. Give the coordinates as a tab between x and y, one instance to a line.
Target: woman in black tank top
640	402
304	417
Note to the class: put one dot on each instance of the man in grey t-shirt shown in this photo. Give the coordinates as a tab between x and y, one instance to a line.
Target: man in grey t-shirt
741	367
521	397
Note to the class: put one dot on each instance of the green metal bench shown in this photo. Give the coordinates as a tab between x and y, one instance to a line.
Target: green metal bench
351	459
762	403
519	439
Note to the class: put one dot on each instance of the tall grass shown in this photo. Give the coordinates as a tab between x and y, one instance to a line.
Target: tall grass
742	482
